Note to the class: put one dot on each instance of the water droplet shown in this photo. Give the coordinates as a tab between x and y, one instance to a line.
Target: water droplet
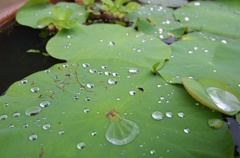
215	123
92	71
152	152
44	104
3	117
31	111
190	52
214	70
61	132
133	70
75	97
159	86
186	18
25	126
132	92
86	110
104	67
85	65
181	114
115	74
81	145
24	81
197	3
111	43
186	130
87	99
46	126
157	115
16	114
90	85
120	131
107	73
94	133
69	36
35	89
65	65
169	114
112	81
195	48
223	99
224	41
33	137
11	126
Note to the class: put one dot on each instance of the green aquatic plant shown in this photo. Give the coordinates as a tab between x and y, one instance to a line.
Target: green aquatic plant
125	93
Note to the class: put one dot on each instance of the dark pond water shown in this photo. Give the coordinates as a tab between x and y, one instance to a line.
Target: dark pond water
16	63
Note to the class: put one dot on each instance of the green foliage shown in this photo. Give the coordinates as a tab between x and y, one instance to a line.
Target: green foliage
123	92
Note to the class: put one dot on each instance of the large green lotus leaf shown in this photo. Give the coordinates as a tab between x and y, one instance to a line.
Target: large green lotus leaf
157	21
214	94
168	3
35	10
202	55
207	15
109	42
75	100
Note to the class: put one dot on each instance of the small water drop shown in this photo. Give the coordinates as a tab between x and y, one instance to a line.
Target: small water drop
112	81
90	85
215	123
65	65
107	73
92	71
181	114
133	70
104	67
16	114
115	74
69	36
111	43
47	71
85	65
24	81
157	115
86	110
44	104
61	132
81	145
152	152
35	89
31	111
33	137
87	99
197	3
94	133
25	126
195	48
186	18
190	52
214	70
186	130
224	41
169	114
223	99
132	92
162	98
75	97
3	117
46	126
11	126
159	86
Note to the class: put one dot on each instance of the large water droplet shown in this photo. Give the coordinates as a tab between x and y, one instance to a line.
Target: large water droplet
46	126
35	89
157	115
33	137
3	117
120	131
215	123
31	111
81	145
133	70
44	104
223	99
112	81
